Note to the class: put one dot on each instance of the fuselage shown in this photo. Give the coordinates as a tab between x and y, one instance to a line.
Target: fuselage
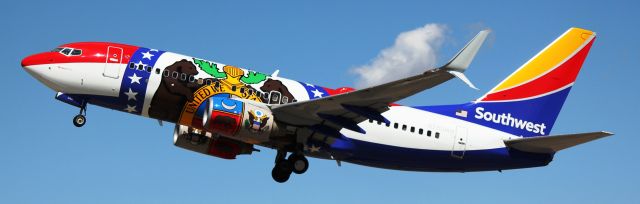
173	87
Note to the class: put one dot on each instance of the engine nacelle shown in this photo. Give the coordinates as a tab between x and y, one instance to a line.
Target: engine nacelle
237	118
205	143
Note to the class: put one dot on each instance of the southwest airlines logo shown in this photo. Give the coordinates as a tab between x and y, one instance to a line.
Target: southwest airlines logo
507	120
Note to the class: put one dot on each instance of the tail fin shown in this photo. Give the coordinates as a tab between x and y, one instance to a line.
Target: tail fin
528	102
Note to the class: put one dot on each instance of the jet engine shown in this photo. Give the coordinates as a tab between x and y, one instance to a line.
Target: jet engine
237	118
207	143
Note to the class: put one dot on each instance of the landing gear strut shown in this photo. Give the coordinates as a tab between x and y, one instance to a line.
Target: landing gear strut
80	119
296	163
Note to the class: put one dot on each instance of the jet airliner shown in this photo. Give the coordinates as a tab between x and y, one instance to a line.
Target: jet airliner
223	111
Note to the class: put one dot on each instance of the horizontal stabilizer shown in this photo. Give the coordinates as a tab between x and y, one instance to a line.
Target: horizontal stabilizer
554	143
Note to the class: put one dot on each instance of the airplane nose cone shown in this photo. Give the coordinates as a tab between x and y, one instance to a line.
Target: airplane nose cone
37	59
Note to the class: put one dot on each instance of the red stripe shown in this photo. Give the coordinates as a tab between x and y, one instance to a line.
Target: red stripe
562	76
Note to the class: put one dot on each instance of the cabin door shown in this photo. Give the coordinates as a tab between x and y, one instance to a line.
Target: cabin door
459	143
113	62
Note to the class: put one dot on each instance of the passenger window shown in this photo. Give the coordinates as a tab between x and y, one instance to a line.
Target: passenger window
174	75
149	69
76	52
404	127
166	73
157	70
429	133
420	131
395	125
233	88
209	82
200	81
370	121
183	77
242	90
192	78
413	129
437	135
379	123
388	124
131	65
285	99
140	67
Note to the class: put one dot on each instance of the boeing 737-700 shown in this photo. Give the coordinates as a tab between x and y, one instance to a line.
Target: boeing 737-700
223	111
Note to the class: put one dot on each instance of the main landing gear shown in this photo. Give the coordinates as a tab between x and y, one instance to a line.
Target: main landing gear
295	163
80	119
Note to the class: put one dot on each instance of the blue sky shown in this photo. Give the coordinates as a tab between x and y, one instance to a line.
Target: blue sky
121	158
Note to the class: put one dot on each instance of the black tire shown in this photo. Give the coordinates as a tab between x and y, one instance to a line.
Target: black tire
79	120
279	174
299	163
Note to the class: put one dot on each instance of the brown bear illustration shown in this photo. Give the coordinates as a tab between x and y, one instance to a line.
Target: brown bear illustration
173	93
275	85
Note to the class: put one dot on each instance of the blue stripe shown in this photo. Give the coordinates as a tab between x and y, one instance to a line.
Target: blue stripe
399	158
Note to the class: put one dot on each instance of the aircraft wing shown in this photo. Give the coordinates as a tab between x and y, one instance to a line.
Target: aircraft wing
346	110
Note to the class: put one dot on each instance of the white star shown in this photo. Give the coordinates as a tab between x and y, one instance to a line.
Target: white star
135	78
131	95
140	63
313	148
147	55
130	109
316	93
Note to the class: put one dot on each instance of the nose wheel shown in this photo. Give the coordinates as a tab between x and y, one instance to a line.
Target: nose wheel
80	119
295	163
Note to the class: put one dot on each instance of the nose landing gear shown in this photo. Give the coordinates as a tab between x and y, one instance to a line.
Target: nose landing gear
296	163
80	119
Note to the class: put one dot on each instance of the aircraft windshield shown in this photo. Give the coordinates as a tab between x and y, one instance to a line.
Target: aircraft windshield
68	51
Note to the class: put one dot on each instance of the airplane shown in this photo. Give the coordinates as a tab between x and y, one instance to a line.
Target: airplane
223	111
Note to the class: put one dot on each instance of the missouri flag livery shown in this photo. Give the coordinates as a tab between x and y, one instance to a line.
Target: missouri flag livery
224	111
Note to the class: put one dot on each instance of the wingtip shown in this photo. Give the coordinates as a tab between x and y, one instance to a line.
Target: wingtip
460	62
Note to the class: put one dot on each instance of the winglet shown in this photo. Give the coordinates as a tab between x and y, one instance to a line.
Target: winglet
464	78
461	61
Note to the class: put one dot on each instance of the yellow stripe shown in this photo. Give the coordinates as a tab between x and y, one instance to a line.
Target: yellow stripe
550	57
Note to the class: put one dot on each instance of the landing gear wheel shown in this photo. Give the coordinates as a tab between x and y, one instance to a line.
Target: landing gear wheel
299	163
282	171
79	120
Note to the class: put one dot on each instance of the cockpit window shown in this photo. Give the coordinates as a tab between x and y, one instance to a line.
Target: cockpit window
66	51
76	52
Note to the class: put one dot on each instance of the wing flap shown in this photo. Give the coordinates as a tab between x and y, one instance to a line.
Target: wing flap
555	143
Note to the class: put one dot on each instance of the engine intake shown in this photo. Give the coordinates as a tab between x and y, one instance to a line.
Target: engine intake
238	118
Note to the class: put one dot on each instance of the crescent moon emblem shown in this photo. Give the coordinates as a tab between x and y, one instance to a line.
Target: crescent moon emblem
228	107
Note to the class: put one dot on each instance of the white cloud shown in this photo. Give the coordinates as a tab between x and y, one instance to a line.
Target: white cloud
413	52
